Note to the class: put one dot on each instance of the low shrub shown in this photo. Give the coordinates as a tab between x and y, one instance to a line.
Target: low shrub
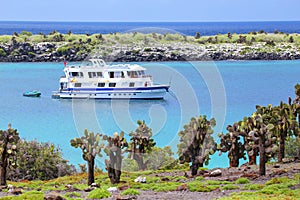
242	181
99	194
230	187
130	191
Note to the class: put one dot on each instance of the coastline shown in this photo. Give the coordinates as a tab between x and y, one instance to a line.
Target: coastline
137	47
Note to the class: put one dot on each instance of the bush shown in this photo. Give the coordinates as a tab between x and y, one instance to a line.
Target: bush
130	191
242	181
2	52
292	147
99	194
27	33
129	165
41	161
230	187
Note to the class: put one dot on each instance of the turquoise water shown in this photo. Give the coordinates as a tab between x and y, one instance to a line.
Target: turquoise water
227	91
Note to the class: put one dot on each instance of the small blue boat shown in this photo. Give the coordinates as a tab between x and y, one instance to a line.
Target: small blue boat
33	93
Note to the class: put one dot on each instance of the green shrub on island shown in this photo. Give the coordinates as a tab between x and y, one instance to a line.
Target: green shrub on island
2	52
25	33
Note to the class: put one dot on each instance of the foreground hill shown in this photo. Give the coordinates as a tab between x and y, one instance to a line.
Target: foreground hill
281	182
56	47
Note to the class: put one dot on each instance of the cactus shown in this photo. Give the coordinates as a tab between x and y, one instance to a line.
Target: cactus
231	142
296	102
252	152
91	147
196	142
285	125
8	140
262	127
141	143
114	151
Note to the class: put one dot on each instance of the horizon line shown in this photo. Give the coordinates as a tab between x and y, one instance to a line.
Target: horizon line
212	21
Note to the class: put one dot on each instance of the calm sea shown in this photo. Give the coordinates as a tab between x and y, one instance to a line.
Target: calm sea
187	28
227	91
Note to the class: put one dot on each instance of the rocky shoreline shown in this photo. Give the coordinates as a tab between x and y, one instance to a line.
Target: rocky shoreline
175	51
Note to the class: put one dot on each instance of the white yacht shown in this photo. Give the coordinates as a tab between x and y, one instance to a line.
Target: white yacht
98	80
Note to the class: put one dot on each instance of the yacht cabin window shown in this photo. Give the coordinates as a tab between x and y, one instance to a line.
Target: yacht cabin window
77	85
95	74
101	84
76	74
112	85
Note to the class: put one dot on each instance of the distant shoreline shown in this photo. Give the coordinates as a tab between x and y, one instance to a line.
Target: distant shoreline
135	47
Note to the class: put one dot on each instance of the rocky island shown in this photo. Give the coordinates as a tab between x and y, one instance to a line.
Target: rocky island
132	47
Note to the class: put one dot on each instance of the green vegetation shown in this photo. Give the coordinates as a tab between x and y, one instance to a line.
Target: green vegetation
8	150
91	147
99	194
130	192
138	43
2	52
114	151
141	144
31	195
36	160
196	142
242	181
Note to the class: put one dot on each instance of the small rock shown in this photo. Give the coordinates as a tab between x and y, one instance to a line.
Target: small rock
140	179
216	172
123	187
53	196
182	187
89	189
95	185
112	189
125	197
165	179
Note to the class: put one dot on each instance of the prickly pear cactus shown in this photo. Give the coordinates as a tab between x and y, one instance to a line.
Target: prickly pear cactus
196	142
230	142
141	143
286	125
91	146
263	131
8	147
114	149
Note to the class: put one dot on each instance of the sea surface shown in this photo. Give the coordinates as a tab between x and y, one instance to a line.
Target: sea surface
186	28
227	90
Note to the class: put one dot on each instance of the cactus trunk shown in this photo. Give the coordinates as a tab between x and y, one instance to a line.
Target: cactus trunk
262	153
114	166
281	147
140	161
252	160
3	171
234	162
4	163
91	178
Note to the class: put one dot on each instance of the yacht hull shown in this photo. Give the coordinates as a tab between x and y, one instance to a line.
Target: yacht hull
115	93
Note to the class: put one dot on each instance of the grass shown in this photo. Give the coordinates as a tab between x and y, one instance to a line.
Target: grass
276	188
130	192
99	194
242	181
31	195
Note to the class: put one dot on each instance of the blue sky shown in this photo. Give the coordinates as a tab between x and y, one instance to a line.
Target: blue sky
146	10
